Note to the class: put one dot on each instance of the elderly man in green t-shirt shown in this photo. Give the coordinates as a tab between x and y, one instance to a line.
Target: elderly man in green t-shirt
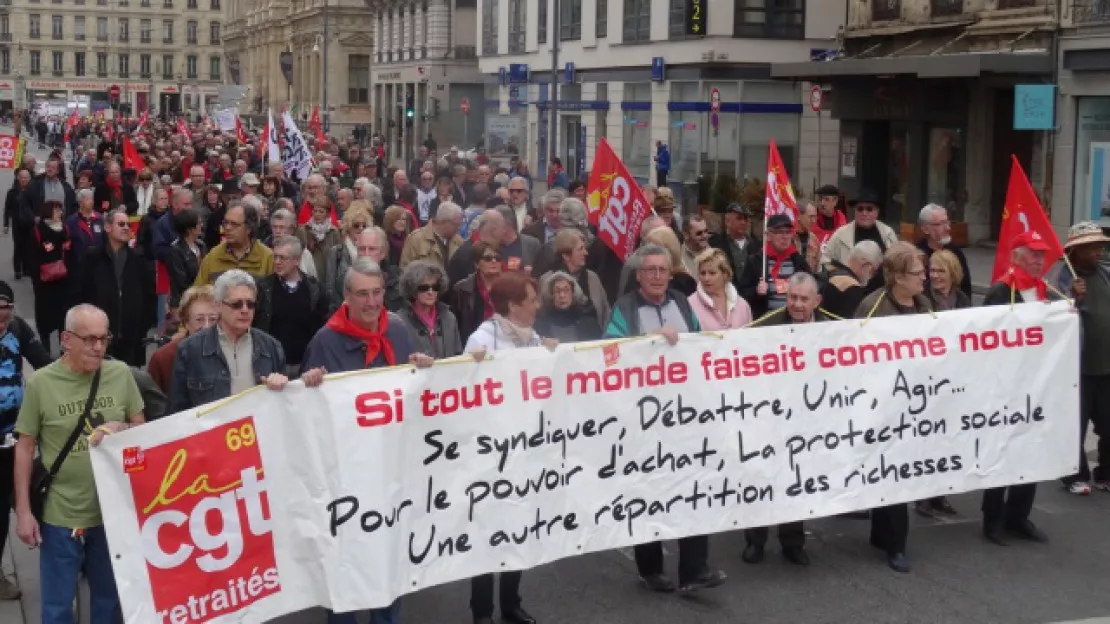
71	533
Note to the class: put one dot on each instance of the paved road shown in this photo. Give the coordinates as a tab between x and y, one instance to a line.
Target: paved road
957	576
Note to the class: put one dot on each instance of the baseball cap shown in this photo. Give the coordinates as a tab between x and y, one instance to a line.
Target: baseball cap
779	221
1032	240
6	293
739	209
827	191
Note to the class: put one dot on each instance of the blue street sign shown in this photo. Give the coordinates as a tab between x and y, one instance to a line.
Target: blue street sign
518	73
503	75
1033	106
658	69
568	73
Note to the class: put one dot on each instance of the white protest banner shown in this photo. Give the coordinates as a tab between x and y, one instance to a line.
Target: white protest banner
381	483
273	153
294	151
225	119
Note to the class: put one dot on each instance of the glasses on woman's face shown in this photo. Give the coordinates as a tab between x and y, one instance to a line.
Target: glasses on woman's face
204	320
492	257
427	288
358	226
920	274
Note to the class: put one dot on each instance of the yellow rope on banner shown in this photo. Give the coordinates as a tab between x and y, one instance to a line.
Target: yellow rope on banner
830	314
764	318
878	300
601	344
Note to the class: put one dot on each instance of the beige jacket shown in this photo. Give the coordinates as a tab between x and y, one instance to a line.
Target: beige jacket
840	244
422	245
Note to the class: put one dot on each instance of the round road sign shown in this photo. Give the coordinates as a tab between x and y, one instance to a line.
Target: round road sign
815	98
464	104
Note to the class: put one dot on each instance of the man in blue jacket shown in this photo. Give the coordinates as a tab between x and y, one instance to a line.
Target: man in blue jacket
662	163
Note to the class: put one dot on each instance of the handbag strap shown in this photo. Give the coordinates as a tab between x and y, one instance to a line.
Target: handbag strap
57	465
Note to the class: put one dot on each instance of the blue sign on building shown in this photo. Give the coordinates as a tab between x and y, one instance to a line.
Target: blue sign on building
658	69
568	73
518	73
1034	106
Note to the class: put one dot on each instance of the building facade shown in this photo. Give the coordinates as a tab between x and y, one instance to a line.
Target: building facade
641	71
299	54
925	92
1081	180
164	55
425	62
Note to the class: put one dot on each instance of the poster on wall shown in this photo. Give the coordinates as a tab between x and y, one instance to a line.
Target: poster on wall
1098	182
502	135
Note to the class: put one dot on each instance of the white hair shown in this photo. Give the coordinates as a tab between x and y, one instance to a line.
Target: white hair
362	266
927	211
233	279
868	251
84	194
448	211
79	310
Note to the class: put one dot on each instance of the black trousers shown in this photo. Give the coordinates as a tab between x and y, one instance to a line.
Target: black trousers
1008	506
660	178
21	236
791	535
1094	407
481	593
7	478
693	557
890	526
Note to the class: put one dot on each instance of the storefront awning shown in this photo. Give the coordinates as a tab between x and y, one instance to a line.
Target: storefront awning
968	65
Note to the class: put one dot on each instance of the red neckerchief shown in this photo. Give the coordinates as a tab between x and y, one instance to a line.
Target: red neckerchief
83	223
116	186
376	342
483	292
778	258
1019	279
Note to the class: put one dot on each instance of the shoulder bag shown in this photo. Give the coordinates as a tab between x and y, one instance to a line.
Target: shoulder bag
41	479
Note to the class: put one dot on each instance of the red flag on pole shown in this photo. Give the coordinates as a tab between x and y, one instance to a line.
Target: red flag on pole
315	126
240	132
131	158
70	124
183	129
1022	213
779	198
617	206
143	119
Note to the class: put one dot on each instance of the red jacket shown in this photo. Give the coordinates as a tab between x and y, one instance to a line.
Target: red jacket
823	234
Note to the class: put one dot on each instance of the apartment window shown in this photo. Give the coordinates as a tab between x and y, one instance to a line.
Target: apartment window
489	27
124	3
79	27
637	21
214	68
541	22
102	29
34	25
5	62
882	10
570	20
773	19
56	62
168	4
124	65
191	4
358	79
167	67
144	3
101	2
167	31
79	2
79	63
144	31
518	15
1015	4
214	33
102	64
215	5
124	29
36	62
191	32
191	66
602	26
144	65
5	27
946	7
56	27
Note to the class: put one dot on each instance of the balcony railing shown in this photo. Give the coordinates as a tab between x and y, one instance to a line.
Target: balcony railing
1090	12
102	38
943	8
145	75
5	37
57	72
885	10
102	74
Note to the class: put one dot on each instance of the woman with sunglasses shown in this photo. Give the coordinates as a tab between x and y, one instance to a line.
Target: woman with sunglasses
197	311
431	324
470	298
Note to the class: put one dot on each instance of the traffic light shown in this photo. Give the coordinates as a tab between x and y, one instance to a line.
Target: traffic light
410	109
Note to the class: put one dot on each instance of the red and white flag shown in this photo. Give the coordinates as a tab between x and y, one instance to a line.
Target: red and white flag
143	119
1022	213
183	129
240	131
617	204
269	147
70	124
316	127
780	195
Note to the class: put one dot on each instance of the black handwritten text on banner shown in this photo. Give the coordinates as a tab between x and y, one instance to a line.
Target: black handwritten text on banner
382	483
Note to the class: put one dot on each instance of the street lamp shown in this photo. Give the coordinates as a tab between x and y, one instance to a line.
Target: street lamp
180	95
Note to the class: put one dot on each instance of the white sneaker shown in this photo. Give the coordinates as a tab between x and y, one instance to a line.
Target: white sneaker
1080	488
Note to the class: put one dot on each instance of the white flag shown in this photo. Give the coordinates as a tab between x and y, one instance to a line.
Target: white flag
273	152
294	154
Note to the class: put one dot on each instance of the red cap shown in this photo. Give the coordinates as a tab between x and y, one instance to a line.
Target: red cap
1032	240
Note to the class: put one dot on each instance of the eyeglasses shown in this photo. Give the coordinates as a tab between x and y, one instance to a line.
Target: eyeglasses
427	288
516	190
91	342
655	270
492	258
207	320
122	224
239	304
935	223
282	257
358	226
920	273
866	208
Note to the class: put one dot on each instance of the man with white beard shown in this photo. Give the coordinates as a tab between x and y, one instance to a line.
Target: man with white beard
933	221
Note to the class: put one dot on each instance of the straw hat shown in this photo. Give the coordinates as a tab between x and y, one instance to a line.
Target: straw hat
1085	233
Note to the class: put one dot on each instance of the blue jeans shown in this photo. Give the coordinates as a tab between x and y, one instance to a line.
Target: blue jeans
61	558
388	615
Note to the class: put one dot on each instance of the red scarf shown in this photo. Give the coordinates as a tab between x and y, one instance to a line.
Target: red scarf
115	186
483	292
376	342
1019	279
778	258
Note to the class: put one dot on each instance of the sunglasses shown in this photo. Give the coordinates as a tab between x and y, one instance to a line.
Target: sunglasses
866	208
239	304
427	288
492	258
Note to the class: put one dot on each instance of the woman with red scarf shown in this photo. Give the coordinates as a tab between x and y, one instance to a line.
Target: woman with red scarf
763	284
470	298
362	334
114	193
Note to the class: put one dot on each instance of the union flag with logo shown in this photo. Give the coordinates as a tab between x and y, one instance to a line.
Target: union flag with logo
1022	213
780	195
615	203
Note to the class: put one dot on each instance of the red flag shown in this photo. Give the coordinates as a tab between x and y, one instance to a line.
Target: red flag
617	205
143	119
240	132
315	126
1022	213
131	158
262	142
183	129
70	124
110	132
779	198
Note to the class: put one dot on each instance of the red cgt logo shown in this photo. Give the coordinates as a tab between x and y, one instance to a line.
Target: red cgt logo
205	523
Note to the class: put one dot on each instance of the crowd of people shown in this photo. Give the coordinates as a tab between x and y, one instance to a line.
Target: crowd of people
234	274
